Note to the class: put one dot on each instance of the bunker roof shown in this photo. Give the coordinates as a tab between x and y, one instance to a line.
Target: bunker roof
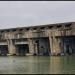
46	25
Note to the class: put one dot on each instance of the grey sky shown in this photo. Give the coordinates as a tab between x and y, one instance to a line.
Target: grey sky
27	13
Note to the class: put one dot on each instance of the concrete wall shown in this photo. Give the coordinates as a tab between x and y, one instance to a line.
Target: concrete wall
51	33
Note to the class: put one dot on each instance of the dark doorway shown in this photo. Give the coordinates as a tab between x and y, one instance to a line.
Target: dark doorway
3	49
67	44
22	49
67	49
43	46
37	41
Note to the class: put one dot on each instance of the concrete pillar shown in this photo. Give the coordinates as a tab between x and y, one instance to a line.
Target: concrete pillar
54	44
35	49
11	47
51	44
50	40
31	46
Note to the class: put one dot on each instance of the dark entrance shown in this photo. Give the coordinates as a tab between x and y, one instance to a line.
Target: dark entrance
22	49
3	49
67	45
43	47
67	49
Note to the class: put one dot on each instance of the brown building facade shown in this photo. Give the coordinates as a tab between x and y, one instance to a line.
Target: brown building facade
50	39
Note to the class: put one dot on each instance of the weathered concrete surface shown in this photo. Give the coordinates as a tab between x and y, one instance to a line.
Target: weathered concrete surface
51	32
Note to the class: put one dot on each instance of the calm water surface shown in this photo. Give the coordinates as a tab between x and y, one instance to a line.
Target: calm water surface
37	65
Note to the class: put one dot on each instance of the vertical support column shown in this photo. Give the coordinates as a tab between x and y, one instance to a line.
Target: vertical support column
56	46
50	40
51	44
54	43
31	46
11	47
35	49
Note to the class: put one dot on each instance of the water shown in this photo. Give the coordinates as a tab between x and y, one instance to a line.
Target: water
37	65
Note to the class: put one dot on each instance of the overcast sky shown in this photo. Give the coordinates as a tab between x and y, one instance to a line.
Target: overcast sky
29	13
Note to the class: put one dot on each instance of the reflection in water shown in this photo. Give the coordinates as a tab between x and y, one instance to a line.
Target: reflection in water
37	65
55	65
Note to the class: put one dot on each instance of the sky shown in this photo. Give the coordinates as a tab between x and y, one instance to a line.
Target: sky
31	13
